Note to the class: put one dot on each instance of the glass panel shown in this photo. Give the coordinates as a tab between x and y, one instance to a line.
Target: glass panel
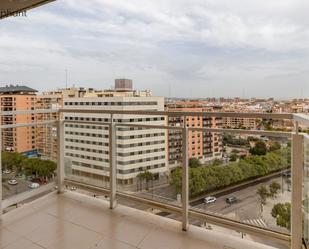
240	177
23	168
144	163
306	190
86	153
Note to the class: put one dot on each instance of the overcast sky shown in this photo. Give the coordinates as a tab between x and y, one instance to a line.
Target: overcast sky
195	48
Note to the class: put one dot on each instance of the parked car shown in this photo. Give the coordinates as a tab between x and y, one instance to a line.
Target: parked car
210	199
72	188
231	200
33	185
13	182
287	174
7	171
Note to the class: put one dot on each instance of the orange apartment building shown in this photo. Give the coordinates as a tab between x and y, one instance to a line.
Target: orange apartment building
205	146
15	98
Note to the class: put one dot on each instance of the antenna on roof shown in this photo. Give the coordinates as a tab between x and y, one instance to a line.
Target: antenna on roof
66	78
169	90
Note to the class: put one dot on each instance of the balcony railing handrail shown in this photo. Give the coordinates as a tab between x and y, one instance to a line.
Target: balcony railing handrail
303	119
278	116
25	112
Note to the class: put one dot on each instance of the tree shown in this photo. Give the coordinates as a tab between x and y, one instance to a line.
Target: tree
259	149
274	146
233	157
282	213
213	176
176	178
194	163
148	177
141	177
216	162
274	187
263	194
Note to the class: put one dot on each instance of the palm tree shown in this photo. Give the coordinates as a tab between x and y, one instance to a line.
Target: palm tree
148	177
140	177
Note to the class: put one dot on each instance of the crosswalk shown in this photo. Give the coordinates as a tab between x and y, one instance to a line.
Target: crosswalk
256	222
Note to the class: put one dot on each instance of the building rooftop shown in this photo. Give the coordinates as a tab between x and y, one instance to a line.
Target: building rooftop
73	220
10	89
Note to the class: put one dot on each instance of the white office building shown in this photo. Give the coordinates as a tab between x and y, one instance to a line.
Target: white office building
138	149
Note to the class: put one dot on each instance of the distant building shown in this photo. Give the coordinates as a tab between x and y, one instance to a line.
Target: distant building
46	135
138	150
205	146
16	98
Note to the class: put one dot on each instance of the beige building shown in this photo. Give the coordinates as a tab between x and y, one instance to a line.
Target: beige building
138	150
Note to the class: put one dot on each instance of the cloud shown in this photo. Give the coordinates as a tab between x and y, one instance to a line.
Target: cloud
204	44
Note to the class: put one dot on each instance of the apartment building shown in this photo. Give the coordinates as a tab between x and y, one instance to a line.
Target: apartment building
17	98
138	149
46	140
205	146
46	135
240	123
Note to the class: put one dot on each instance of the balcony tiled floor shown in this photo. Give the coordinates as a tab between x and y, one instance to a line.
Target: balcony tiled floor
75	221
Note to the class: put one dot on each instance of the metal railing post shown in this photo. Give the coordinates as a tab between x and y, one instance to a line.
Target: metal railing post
60	155
112	163
185	178
296	202
0	173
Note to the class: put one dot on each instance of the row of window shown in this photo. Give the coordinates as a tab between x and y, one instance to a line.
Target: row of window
149	159
120	171
85	134
118	137
85	142
140	152
111	103
81	126
86	149
118	154
99	159
140	144
141	136
118	145
123	120
102	127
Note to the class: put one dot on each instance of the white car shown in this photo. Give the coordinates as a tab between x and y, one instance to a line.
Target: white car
13	182
7	171
33	185
210	199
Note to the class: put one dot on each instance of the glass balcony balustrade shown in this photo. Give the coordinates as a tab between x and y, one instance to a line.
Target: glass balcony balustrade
245	185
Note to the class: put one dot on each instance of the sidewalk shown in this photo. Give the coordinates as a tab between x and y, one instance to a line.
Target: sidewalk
266	214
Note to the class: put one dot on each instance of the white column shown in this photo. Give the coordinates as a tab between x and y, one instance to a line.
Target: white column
297	180
112	163
60	155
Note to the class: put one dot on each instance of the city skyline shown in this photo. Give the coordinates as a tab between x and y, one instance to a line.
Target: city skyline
201	49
